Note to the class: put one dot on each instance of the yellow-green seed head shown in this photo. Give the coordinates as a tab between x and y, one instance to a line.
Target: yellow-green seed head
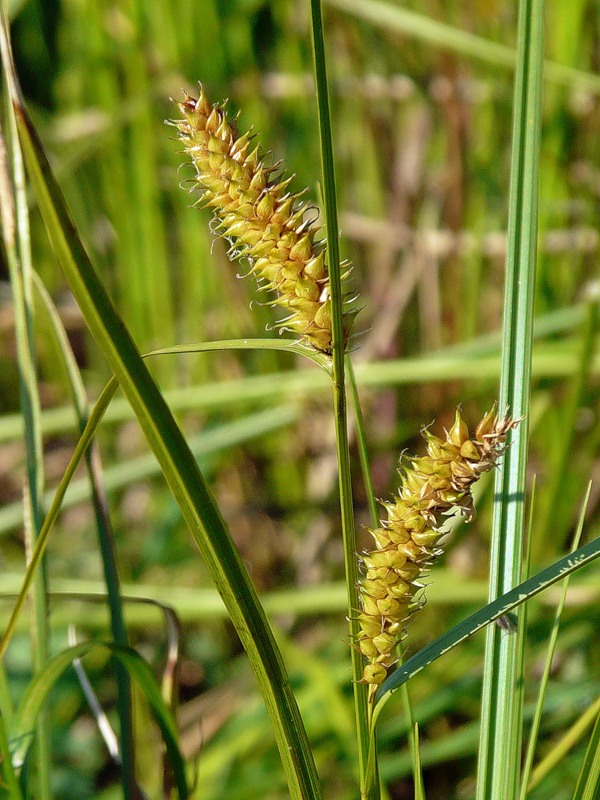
407	543
263	222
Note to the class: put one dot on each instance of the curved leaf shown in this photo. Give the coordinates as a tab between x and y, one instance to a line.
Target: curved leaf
40	687
499	607
179	466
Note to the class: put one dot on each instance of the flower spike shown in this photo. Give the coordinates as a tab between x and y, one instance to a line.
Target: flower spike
260	218
408	542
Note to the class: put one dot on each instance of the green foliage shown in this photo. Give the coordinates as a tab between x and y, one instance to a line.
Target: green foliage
421	101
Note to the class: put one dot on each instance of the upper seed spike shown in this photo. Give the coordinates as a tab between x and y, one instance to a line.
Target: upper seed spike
263	221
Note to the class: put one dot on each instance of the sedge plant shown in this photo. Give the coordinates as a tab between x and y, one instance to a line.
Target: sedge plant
276	236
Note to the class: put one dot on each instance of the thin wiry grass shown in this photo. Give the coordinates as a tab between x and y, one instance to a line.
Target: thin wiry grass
17	244
105	538
535	726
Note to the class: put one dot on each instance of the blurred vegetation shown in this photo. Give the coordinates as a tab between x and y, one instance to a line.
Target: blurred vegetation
422	145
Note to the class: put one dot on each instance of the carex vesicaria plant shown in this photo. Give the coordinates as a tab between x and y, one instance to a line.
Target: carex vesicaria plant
268	226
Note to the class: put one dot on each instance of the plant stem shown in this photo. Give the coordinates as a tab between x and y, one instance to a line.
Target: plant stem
15	228
339	393
374	513
105	542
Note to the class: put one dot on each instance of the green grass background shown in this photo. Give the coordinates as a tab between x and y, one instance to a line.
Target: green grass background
422	146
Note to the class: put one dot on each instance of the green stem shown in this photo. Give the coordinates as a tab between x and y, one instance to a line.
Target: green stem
372	767
15	224
363	450
339	392
105	542
375	521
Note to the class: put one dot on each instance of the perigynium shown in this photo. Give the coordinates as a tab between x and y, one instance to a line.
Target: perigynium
265	224
433	487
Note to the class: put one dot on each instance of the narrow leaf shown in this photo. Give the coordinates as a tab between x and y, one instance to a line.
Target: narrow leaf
537	716
500	738
42	684
179	466
499	607
440	34
588	784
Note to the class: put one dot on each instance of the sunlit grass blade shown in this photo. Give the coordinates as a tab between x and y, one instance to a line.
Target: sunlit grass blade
179	466
589	777
42	684
492	611
500	739
550	360
281	344
537	717
440	34
555	757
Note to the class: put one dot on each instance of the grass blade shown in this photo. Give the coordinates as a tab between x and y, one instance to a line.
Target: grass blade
179	466
553	361
40	687
16	235
537	717
497	608
500	738
589	777
556	756
390	17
